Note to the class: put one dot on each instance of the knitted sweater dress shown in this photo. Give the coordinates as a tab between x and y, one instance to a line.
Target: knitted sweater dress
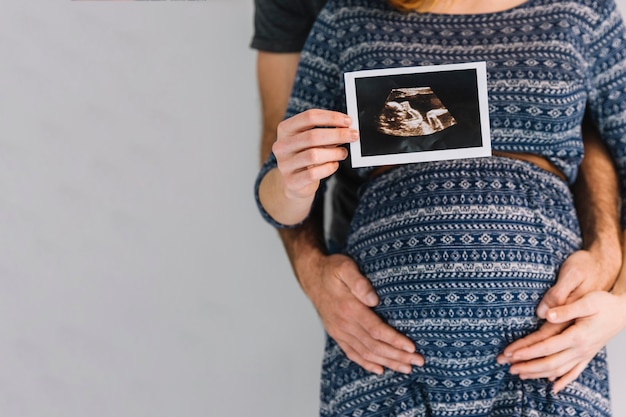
461	251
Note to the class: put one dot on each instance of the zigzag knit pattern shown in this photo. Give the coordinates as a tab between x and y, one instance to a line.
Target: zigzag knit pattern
462	251
547	61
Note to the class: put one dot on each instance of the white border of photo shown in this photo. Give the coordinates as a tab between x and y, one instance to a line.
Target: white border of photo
358	160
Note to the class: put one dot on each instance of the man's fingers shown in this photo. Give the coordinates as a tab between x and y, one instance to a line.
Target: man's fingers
361	287
359	360
583	307
552	298
386	341
372	354
402	348
365	338
569	278
381	356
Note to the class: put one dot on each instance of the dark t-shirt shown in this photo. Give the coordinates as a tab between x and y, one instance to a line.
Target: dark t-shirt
283	25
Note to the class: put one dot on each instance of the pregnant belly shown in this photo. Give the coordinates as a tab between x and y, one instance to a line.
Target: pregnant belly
461	255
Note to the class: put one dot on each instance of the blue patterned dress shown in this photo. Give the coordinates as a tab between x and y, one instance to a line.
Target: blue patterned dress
462	251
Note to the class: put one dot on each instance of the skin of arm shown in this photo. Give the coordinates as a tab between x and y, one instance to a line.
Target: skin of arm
307	149
342	296
581	315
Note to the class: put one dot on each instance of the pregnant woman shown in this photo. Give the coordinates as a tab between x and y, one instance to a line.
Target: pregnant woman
461	251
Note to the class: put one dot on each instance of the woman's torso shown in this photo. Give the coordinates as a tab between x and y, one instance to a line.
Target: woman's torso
537	57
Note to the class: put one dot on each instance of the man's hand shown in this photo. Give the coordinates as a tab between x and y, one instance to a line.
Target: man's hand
581	273
564	345
343	299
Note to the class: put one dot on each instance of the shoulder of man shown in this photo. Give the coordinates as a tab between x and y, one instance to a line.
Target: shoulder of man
283	25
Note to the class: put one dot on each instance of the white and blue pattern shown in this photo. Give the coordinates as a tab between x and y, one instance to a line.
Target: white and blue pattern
547	61
462	251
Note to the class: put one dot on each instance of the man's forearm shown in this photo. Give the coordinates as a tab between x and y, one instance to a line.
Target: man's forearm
596	196
620	285
305	246
275	75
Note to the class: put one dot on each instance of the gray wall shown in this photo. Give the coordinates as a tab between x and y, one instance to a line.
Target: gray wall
136	276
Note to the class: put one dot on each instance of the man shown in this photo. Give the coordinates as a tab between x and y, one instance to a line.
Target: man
343	297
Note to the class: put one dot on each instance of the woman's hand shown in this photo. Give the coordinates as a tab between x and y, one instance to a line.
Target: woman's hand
596	318
565	344
308	149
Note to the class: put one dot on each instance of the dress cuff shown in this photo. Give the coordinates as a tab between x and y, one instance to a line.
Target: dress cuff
267	167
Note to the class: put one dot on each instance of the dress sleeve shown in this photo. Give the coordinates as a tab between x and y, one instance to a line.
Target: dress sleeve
267	166
606	48
318	85
319	80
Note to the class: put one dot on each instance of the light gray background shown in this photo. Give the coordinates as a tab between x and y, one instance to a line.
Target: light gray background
137	278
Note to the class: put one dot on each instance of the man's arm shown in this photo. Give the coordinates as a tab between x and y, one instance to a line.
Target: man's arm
275	75
578	308
341	295
596	196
